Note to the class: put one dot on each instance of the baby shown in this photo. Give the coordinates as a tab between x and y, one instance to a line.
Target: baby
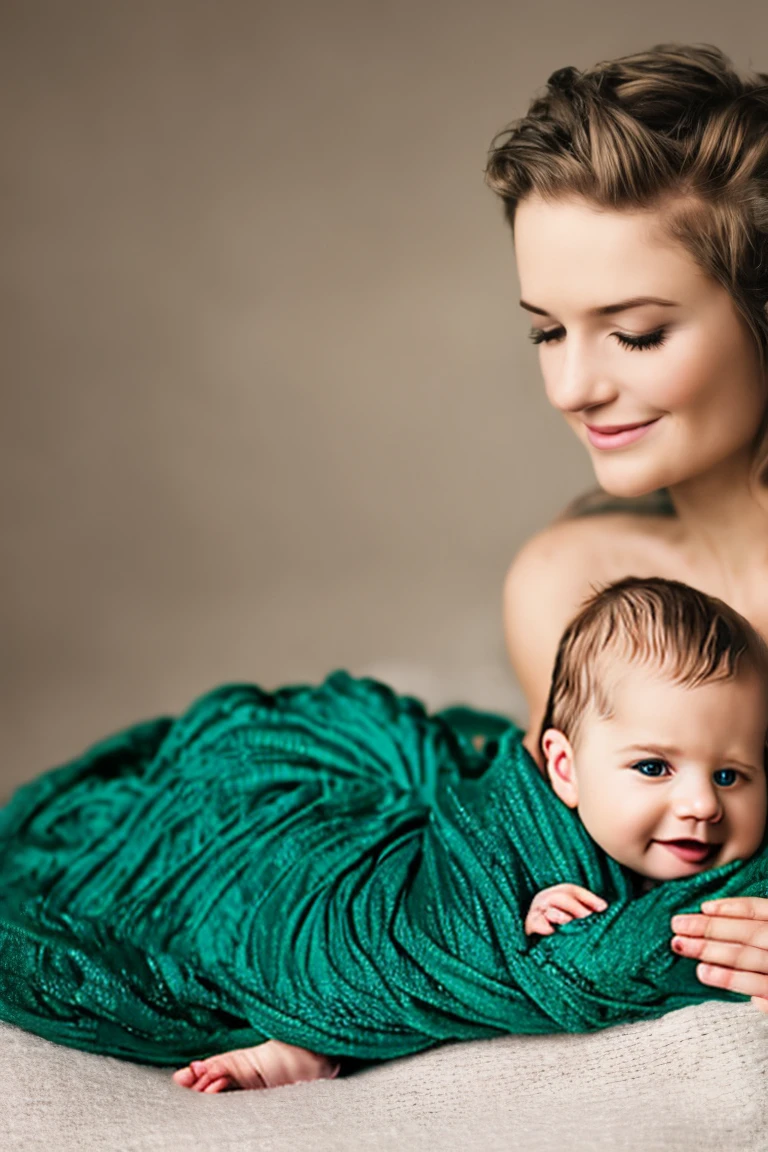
655	733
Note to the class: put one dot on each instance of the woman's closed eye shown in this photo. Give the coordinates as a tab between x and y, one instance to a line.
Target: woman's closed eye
657	771
650	340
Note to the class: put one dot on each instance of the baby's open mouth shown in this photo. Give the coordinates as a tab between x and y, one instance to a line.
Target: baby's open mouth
691	851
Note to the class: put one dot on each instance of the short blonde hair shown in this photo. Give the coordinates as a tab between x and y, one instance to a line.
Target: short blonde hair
675	129
688	636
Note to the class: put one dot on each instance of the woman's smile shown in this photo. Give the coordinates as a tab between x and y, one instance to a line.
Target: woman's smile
629	434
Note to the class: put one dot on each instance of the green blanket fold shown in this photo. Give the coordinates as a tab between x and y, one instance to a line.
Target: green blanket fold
329	865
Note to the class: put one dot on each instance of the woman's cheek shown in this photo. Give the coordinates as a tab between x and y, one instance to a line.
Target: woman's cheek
684	378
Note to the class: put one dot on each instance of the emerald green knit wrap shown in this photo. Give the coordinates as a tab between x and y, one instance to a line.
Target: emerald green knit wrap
328	865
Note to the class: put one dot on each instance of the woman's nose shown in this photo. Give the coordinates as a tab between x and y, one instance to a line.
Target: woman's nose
576	382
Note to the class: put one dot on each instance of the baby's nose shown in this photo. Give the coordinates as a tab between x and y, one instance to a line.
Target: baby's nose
699	800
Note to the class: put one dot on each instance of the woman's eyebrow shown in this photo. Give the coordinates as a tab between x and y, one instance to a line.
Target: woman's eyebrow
609	309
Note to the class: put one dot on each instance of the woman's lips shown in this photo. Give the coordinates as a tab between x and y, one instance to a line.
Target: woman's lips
689	851
599	438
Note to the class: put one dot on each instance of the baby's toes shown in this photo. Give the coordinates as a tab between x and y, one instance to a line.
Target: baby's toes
219	1085
200	1077
184	1076
207	1072
238	1069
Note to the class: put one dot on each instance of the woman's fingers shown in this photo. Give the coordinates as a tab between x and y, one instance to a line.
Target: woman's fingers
736	967
730	939
727	955
718	926
747	983
735	930
743	907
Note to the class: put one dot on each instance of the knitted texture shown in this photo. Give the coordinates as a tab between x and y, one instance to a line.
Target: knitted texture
329	865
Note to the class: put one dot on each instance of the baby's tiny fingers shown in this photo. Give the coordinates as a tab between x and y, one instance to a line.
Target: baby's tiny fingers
537	923
570	904
557	916
590	899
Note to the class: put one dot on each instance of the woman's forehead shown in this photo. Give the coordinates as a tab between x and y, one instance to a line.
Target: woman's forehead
571	218
570	253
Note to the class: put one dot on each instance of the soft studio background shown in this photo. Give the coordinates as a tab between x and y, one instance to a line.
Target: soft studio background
269	407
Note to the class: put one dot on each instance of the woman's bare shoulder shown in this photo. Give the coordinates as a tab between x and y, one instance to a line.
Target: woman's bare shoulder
557	570
574	554
548	579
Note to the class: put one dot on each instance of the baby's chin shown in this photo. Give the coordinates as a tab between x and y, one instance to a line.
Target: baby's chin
654	868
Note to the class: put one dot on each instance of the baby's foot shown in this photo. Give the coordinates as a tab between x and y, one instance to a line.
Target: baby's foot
268	1065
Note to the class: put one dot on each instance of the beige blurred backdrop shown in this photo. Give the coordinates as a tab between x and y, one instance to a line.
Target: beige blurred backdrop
268	404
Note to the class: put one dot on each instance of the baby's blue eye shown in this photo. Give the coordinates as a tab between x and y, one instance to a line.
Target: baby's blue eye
652	764
653	769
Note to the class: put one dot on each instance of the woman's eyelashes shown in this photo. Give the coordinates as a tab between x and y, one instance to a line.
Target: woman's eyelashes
649	340
657	770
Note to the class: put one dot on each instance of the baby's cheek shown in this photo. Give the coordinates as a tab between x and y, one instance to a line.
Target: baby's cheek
614	826
755	831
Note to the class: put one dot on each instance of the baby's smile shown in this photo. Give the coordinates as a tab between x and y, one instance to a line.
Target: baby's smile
691	851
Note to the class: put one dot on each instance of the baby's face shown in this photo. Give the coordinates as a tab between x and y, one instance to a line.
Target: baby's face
671	767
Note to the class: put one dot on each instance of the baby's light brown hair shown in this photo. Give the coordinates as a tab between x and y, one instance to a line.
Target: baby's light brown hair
688	636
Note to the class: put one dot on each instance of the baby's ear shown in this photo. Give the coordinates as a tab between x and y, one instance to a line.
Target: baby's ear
559	760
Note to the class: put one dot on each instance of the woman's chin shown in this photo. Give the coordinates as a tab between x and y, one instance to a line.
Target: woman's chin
627	485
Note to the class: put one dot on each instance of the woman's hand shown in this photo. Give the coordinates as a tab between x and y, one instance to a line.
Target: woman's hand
558	905
730	937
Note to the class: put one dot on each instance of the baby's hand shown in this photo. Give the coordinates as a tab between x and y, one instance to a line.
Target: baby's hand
558	905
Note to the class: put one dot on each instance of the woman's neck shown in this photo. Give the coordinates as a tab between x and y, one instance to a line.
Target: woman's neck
725	520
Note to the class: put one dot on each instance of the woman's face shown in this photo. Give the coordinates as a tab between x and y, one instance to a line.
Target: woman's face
697	386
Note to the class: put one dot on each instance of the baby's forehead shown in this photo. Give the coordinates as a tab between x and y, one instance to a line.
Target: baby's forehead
621	676
650	695
623	680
